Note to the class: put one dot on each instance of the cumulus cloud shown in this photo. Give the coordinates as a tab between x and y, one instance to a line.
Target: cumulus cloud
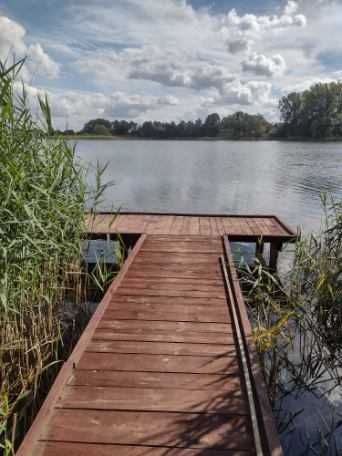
197	77
264	66
38	60
248	93
11	37
253	23
12	42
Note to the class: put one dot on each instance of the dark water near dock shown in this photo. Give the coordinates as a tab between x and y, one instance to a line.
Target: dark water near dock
285	178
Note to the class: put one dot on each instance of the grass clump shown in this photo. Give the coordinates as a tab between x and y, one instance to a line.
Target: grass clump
43	197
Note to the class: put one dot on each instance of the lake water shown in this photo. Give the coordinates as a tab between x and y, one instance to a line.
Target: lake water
285	178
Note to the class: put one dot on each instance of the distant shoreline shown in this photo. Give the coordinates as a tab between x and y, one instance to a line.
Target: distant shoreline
132	138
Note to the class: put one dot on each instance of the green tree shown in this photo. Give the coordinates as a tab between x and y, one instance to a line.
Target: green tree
315	113
101	130
212	125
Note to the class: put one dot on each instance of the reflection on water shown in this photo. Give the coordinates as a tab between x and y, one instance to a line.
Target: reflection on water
285	178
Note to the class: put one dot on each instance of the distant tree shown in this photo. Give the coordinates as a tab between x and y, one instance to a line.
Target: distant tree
242	125
315	113
123	127
101	130
97	127
212	125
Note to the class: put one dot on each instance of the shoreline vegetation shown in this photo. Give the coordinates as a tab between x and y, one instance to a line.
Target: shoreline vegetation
85	137
312	115
297	328
44	282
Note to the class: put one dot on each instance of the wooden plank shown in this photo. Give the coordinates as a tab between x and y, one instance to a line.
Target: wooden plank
177	225
181	270
161	225
91	449
130	223
159	348
221	225
186	238
215	310
171	301
147	292
180	430
167	380
204	316
153	400
213	227
159	363
194	227
179	285
176	257
184	273
184	247
130	278
205	226
171	326
108	333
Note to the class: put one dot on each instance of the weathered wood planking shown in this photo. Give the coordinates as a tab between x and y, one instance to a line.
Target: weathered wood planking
157	371
201	226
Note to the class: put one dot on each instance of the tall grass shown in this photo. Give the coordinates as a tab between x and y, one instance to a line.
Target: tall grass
43	197
298	321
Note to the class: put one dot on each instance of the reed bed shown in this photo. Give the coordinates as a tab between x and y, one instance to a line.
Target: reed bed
298	322
42	284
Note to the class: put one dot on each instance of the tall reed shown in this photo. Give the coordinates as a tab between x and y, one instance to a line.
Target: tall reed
298	321
43	197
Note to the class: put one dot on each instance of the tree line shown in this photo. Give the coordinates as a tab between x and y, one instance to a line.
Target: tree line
313	114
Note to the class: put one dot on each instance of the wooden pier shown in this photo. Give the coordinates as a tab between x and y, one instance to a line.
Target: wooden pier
166	366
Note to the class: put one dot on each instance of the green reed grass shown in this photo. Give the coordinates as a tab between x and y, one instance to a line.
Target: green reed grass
298	321
43	197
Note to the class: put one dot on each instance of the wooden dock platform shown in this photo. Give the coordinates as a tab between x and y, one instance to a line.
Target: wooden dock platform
237	227
166	366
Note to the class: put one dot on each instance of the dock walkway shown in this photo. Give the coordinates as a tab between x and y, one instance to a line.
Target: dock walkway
165	367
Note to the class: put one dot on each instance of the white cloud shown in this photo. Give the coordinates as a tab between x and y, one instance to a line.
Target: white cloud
244	94
198	77
11	38
252	92
38	60
291	8
256	24
12	43
264	66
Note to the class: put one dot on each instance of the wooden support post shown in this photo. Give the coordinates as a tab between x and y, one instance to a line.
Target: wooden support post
276	247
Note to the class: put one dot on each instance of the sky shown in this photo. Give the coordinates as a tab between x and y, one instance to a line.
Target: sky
170	59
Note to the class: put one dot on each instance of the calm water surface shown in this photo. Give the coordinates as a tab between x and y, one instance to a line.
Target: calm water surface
285	178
